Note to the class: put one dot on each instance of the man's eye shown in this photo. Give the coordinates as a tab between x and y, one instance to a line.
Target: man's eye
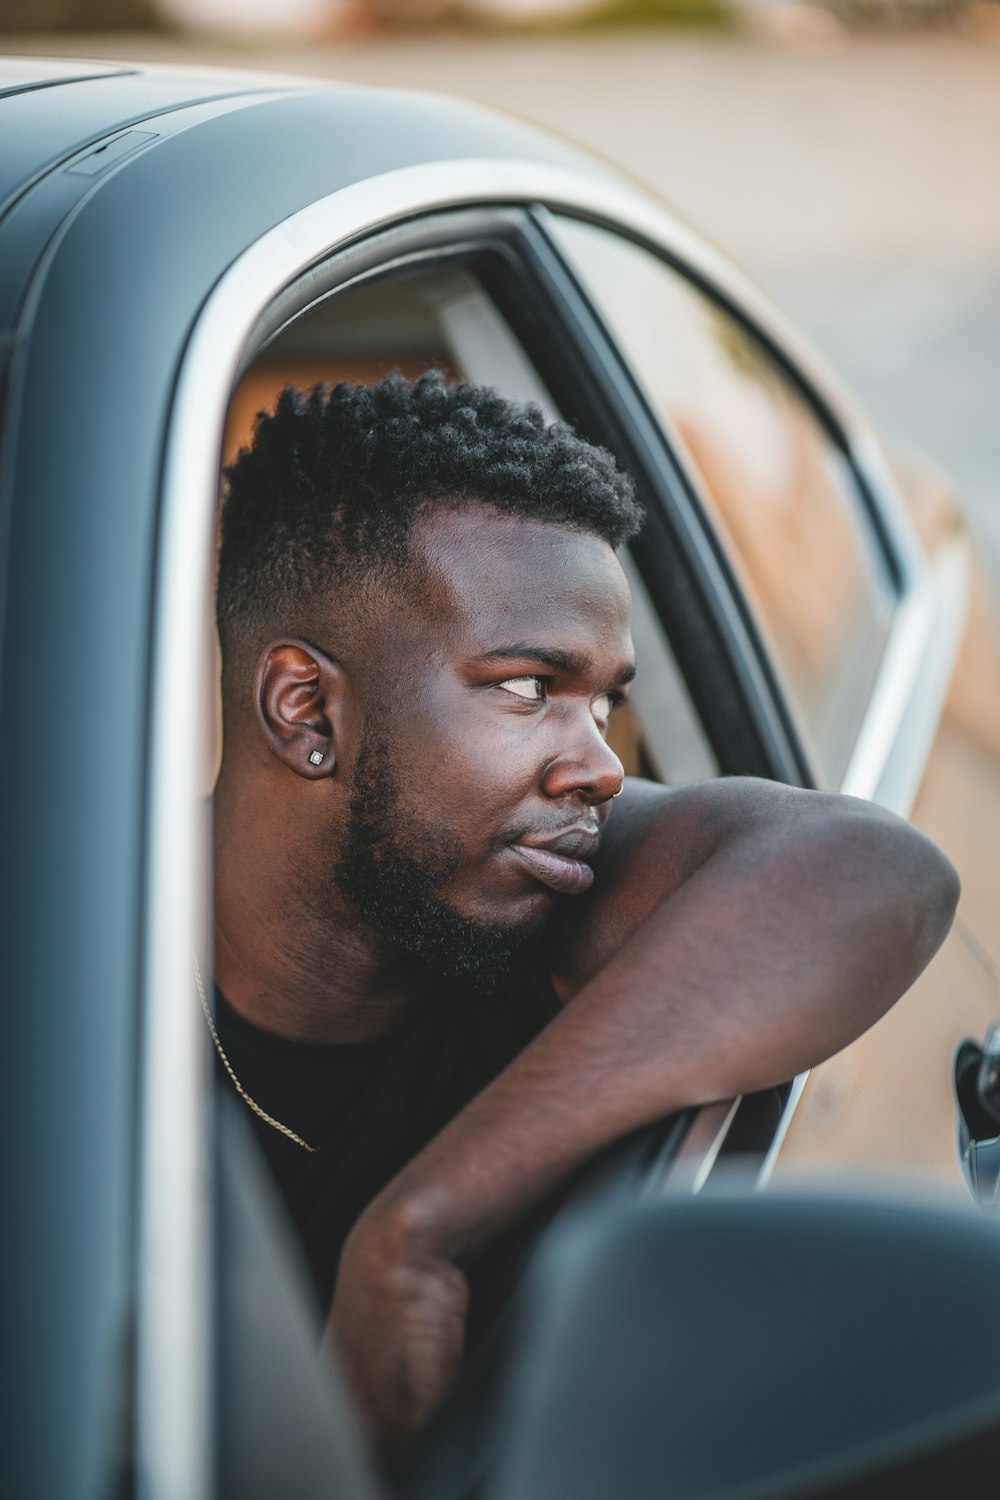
601	707
531	688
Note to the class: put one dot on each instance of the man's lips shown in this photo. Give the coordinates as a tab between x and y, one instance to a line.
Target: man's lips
561	862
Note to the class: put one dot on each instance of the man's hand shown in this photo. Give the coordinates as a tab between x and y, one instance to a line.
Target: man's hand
398	1324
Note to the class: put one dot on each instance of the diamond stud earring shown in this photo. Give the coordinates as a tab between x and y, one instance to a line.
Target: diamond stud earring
315	757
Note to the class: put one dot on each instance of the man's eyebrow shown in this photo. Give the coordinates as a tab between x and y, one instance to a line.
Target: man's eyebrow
570	662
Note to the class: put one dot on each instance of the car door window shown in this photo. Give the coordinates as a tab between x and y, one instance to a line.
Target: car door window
780	491
443	318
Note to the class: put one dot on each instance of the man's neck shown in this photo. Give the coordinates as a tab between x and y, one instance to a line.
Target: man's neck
340	1003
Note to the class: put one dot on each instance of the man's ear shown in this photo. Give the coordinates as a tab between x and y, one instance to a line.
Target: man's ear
299	695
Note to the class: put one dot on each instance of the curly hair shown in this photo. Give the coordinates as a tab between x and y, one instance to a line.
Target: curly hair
329	489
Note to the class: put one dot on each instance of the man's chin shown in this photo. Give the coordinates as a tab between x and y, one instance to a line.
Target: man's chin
488	955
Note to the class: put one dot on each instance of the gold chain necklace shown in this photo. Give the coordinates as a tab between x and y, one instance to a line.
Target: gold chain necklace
261	1113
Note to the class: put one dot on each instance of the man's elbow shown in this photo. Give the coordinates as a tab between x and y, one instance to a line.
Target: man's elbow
937	888
890	899
914	889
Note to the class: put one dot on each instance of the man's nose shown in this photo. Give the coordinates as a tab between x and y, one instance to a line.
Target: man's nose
586	765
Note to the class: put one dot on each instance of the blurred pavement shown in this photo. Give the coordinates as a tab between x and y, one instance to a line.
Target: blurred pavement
858	181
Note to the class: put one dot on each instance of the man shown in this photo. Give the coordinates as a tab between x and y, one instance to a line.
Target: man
451	963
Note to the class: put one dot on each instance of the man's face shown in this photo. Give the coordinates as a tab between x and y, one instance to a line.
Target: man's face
483	780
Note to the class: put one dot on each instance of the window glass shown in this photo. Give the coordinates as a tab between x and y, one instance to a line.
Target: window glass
781	493
443	319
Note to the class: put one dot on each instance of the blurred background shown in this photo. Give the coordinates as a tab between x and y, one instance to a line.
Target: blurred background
846	153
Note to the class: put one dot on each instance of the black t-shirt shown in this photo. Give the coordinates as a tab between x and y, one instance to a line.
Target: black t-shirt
368	1107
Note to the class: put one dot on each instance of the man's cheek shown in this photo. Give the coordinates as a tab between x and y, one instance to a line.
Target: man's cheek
459	754
497	771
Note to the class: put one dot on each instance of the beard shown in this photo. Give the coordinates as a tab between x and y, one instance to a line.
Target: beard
390	867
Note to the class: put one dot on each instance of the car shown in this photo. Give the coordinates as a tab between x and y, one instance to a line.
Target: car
176	245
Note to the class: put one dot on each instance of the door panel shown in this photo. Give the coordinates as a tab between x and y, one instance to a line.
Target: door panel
888	1100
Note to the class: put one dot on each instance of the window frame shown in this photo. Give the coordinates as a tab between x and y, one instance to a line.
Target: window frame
916	662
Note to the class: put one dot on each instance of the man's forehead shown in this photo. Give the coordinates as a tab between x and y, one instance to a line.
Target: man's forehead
483	570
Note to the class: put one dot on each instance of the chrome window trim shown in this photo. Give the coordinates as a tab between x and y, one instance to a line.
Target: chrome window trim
792	1103
912	683
175	1254
175	1312
699	1151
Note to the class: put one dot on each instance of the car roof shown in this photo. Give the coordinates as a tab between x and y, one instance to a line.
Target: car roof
52	112
52	109
18	74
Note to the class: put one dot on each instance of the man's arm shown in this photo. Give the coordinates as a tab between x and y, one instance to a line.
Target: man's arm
739	932
658	837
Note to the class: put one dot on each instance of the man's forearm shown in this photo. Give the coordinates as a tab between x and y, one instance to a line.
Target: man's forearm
785	945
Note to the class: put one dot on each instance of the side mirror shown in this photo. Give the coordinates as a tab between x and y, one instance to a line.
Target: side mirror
758	1345
977	1093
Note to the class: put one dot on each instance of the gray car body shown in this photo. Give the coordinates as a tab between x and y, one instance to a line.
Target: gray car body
127	197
